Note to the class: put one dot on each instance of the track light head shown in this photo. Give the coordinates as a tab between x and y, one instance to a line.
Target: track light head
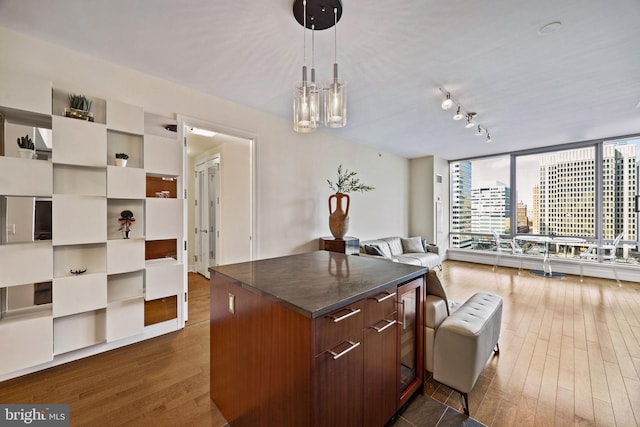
458	115
470	122
479	131
447	103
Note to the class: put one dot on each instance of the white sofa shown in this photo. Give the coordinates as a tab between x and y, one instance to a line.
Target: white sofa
459	339
411	250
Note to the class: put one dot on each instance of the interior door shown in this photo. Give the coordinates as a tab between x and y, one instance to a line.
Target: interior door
207	214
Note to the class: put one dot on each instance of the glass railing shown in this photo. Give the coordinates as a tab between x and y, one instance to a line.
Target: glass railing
555	246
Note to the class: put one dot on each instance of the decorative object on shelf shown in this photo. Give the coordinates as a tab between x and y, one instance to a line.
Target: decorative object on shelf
78	271
461	113
26	148
316	15
121	159
339	217
126	219
79	107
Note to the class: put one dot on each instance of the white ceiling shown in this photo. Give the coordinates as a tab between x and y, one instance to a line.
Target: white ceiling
579	83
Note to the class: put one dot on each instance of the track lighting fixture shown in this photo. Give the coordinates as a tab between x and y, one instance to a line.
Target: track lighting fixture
447	103
488	136
461	113
458	115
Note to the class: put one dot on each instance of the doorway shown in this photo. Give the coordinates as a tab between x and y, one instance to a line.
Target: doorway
207	213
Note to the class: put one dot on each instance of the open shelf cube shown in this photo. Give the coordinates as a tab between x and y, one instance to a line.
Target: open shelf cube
78	257
125	286
115	207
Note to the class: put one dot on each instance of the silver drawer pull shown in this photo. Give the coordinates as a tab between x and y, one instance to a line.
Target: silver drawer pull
341	318
386	297
388	325
337	356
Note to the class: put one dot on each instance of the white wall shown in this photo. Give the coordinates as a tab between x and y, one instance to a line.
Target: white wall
425	192
292	169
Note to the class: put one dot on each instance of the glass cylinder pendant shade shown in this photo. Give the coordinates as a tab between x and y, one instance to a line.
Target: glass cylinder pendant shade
335	101
305	106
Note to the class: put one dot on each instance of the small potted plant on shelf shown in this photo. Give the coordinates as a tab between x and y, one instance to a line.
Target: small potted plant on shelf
126	219
121	159
26	148
79	107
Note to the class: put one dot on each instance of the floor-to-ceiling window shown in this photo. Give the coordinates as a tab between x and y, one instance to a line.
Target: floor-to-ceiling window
567	200
480	201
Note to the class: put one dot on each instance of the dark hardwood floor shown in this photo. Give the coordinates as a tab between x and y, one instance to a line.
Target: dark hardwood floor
570	355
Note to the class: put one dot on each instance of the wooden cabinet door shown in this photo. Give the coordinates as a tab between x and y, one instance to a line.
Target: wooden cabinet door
380	371
338	386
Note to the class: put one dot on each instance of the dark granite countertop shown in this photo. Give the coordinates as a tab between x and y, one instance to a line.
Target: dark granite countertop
317	283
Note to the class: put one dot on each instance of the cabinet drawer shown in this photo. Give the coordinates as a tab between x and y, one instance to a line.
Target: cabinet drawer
380	306
340	325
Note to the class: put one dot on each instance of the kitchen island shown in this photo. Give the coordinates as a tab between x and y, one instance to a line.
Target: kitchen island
315	339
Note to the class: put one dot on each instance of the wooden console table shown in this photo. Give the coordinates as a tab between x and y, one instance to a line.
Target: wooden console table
348	245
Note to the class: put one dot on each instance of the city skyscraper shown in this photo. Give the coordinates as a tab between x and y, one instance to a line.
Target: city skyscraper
567	200
490	209
460	204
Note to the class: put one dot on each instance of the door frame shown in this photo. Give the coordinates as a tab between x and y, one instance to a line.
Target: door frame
185	122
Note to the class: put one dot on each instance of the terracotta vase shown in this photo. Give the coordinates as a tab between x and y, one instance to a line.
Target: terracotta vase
339	218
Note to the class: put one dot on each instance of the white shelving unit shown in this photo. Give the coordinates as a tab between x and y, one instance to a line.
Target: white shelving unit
103	307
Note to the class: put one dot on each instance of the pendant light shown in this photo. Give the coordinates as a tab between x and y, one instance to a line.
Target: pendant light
302	117
335	97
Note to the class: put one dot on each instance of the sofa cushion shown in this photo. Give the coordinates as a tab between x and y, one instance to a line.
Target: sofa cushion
395	245
413	259
412	245
373	250
380	243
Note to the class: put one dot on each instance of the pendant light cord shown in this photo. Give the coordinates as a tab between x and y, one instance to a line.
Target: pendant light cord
335	35
304	32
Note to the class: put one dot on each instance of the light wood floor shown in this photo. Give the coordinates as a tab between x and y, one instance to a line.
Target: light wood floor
570	355
570	351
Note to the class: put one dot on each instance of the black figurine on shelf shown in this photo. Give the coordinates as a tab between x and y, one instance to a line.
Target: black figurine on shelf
126	219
